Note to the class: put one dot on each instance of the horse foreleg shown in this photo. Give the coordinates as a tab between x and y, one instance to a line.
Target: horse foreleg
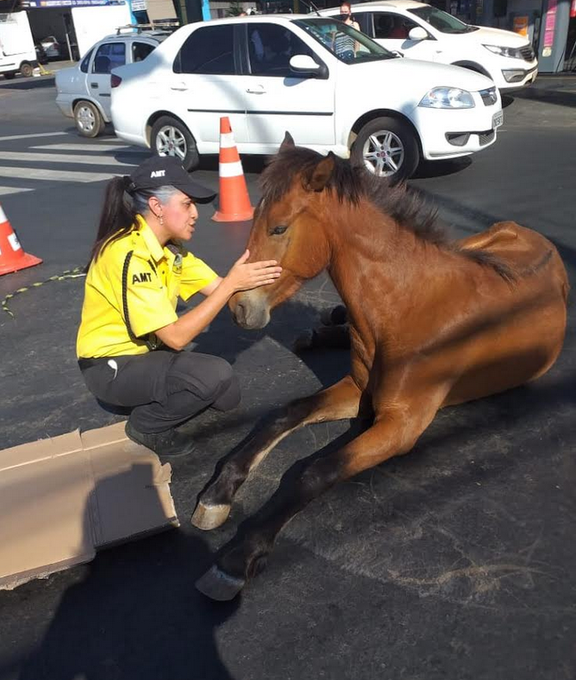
303	482
340	401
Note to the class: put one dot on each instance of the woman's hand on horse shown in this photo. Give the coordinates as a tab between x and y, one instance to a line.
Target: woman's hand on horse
245	276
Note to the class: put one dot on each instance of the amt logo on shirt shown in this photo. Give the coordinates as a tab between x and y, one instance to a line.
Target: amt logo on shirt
143	277
157	173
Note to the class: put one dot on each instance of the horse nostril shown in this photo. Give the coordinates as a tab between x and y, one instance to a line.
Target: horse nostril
240	313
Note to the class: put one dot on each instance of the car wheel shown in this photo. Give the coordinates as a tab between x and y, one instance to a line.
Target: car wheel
89	122
9	76
170	137
388	148
26	69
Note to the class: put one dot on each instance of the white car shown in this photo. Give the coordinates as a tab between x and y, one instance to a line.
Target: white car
83	91
331	86
421	31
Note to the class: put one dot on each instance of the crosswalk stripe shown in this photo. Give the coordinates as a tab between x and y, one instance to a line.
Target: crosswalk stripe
9	138
6	191
90	148
54	175
59	158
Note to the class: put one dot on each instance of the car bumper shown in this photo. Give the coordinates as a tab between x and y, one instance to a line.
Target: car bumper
136	140
512	74
65	106
517	78
449	134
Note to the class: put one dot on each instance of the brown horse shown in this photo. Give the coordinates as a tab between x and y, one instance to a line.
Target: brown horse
432	323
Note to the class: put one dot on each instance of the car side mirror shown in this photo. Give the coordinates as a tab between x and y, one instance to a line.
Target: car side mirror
303	63
417	34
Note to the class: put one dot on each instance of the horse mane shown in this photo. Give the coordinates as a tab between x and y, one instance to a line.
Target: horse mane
351	183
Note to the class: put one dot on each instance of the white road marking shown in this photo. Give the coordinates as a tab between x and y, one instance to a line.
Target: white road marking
6	191
59	158
97	148
54	175
32	136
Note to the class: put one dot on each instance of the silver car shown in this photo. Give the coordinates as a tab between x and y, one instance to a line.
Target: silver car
83	91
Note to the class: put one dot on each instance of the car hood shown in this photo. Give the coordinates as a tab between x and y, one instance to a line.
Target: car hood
491	36
417	77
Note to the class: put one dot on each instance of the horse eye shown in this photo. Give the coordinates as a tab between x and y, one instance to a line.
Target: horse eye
279	229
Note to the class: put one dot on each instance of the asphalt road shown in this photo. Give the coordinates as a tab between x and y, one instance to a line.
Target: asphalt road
453	563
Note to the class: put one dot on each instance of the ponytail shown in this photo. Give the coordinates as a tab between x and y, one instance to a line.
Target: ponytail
121	205
117	217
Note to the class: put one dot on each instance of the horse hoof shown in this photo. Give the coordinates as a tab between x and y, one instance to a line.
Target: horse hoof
218	585
207	517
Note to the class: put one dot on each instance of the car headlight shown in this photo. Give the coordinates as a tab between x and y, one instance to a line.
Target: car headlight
512	52
448	98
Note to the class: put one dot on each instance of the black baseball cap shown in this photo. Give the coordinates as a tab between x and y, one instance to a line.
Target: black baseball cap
160	171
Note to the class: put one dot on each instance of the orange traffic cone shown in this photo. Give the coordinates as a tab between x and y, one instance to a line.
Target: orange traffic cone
12	257
235	203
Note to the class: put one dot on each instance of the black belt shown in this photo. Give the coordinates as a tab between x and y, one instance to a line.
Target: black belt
88	363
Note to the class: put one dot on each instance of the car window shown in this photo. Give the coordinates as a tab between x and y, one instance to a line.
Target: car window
344	42
208	50
271	47
391	26
86	61
363	19
141	50
109	56
442	21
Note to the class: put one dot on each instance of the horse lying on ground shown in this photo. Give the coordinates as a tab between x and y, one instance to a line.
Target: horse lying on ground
432	323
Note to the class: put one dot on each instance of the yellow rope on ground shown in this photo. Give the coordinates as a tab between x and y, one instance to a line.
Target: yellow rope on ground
45	72
75	273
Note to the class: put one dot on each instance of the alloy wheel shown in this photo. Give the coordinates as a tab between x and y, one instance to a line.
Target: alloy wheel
86	119
171	142
383	153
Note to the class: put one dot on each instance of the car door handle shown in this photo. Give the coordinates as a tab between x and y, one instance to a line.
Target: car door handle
179	86
94	85
256	90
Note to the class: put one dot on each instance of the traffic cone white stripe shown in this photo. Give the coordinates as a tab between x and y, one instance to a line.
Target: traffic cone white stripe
227	140
3	217
233	169
14	242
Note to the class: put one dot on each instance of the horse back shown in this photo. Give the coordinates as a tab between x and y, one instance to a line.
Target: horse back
526	251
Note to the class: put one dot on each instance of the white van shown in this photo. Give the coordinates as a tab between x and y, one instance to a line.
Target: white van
17	52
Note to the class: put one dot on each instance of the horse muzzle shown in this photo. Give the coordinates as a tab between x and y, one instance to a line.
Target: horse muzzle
250	310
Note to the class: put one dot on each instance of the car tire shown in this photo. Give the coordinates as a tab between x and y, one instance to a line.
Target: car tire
88	119
395	141
26	69
170	137
9	76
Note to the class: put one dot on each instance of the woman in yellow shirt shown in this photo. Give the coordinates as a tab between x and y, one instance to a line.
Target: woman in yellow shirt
131	342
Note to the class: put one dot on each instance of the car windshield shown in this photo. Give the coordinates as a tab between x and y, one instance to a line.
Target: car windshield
442	21
343	41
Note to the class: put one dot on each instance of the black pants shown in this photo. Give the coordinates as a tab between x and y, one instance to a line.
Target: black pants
163	388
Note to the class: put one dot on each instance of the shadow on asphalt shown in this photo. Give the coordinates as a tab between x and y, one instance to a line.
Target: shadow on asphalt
135	614
28	84
549	96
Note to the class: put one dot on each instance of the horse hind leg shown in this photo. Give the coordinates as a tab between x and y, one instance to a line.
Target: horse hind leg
338	402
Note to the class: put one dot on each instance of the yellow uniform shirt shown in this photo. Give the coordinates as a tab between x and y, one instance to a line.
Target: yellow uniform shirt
155	279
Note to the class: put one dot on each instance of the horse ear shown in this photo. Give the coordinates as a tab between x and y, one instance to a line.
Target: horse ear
321	174
287	142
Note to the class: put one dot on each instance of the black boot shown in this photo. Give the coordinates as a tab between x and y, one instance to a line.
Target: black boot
169	444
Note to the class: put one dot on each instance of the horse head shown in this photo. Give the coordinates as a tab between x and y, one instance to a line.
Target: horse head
289	226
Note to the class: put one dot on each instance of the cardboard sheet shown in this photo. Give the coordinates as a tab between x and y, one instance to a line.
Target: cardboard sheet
61	499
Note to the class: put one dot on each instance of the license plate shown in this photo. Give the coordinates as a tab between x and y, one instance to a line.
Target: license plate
497	120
